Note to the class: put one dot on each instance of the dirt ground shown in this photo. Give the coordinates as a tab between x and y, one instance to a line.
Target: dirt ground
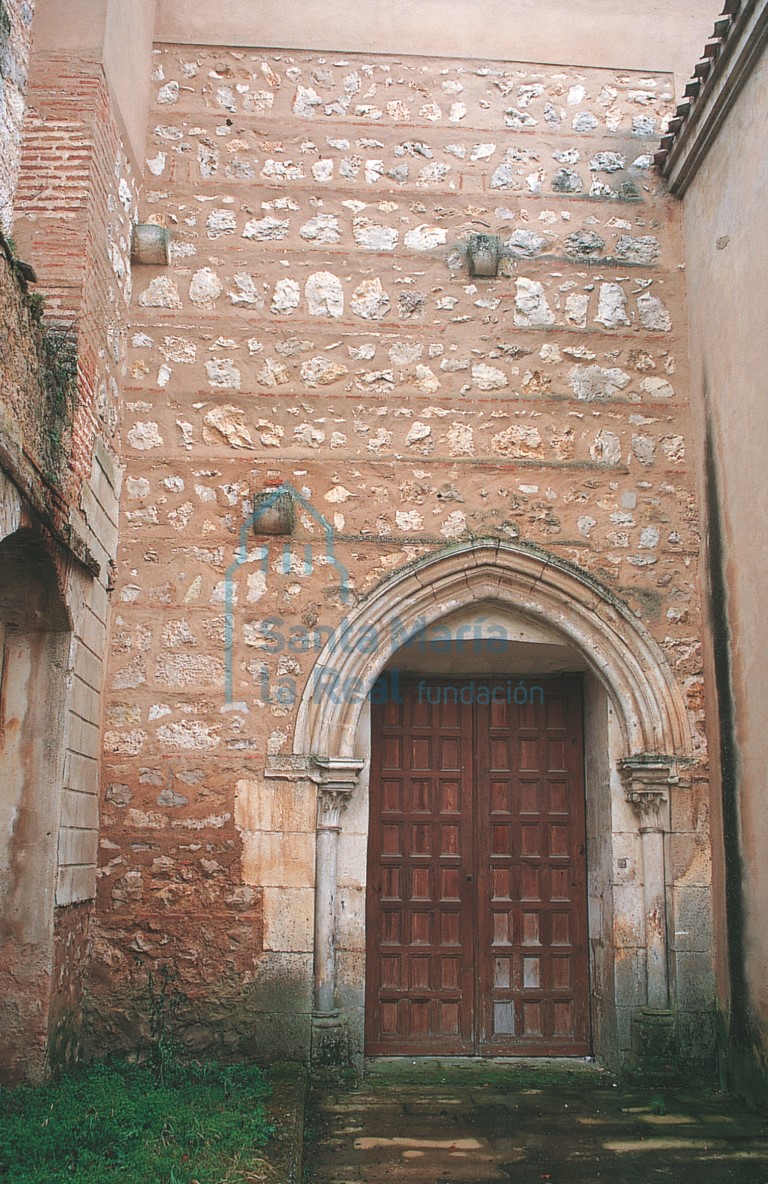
435	1121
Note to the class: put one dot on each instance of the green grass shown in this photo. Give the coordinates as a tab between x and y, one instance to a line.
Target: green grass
112	1123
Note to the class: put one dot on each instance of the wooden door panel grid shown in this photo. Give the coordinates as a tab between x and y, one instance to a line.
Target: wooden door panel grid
477	875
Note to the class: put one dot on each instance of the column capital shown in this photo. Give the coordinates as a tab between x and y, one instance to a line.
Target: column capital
336	779
646	778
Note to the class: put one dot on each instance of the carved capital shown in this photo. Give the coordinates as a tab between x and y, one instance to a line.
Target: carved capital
336	779
330	803
646	779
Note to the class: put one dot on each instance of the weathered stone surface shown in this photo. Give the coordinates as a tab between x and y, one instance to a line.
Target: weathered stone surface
607	162
373	236
402	353
180	349
325	294
286	297
576	306
188	735
144	436
418	432
305	102
644	448
644	125
220	222
426	380
505	177
643	249
282	170
223	373
584	244
279	859
525	244
320	371
161	292
245	291
585	121
273	373
266	229
227	423
322	228
653	315
612	306
597	382
658	388
531	307
178	671
425	238
205	288
370	301
288	919
517	442
488	378
566	181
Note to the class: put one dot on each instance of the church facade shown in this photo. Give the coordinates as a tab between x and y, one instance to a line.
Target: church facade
362	626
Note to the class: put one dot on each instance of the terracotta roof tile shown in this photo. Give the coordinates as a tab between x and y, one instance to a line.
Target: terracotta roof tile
703	74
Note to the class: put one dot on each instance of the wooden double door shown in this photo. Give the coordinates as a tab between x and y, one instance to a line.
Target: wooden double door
476	900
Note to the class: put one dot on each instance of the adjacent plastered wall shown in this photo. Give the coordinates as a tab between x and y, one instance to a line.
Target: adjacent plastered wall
725	218
115	33
650	36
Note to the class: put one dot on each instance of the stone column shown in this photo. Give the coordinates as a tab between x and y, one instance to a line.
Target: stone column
336	779
646	785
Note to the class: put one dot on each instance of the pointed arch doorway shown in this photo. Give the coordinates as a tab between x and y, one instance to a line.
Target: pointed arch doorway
636	729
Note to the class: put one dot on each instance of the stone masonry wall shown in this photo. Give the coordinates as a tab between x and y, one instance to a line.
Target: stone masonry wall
318	326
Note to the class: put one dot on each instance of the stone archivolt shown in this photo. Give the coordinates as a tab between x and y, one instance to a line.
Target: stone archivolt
619	650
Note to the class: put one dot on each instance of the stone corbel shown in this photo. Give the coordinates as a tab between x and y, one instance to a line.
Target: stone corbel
646	779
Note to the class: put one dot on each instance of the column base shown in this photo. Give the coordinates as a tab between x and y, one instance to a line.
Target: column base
654	1043
330	1041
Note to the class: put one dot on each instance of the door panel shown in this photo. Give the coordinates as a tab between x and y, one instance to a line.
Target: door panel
532	988
420	919
477	872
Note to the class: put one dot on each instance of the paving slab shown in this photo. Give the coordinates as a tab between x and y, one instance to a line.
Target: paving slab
286	1109
443	1121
